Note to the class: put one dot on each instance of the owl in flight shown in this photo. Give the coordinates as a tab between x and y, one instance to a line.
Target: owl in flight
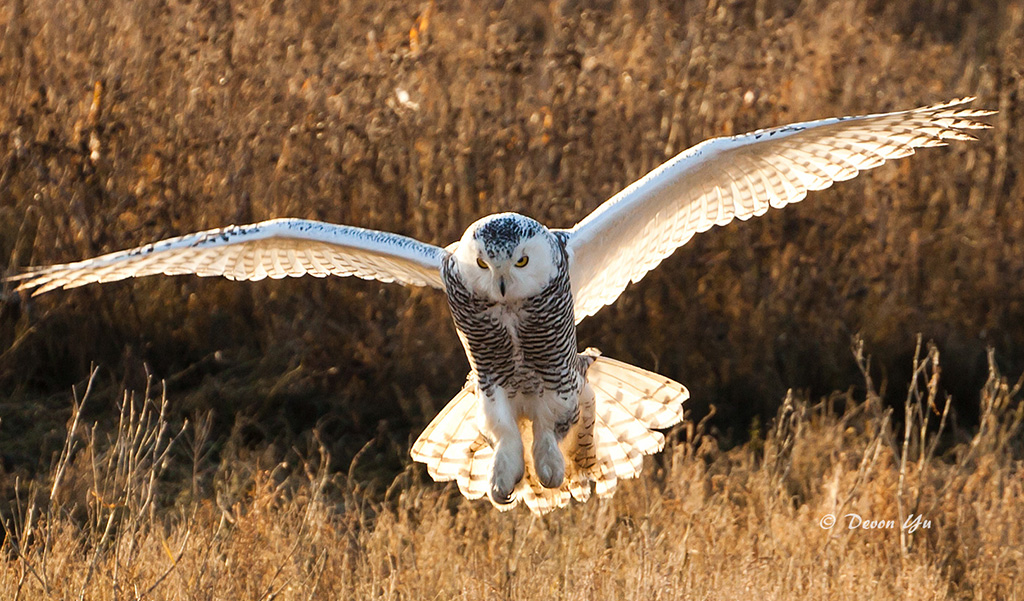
539	421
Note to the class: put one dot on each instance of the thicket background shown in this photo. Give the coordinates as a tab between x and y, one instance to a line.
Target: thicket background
127	121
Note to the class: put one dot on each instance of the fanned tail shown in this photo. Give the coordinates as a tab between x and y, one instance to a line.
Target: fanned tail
631	405
444	446
620	411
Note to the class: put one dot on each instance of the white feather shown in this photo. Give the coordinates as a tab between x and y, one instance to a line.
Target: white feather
276	249
629	403
740	177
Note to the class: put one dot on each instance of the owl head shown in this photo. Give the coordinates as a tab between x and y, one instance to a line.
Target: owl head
507	257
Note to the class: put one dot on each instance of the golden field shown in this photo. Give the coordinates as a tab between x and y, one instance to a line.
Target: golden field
282	470
140	513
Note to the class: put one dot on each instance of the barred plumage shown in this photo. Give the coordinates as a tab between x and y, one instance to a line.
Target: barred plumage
537	421
526	346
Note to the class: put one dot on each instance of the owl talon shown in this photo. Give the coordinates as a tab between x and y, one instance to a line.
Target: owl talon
508	471
499	497
502	488
548	461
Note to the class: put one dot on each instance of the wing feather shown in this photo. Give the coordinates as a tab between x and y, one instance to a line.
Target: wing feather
740	177
475	475
446	442
276	249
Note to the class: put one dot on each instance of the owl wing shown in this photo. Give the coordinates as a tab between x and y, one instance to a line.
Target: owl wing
740	177
275	249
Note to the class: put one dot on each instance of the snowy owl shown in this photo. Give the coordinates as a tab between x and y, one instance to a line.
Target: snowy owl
538	421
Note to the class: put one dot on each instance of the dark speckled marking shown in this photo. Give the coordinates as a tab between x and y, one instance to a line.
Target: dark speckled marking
771	132
537	350
501	235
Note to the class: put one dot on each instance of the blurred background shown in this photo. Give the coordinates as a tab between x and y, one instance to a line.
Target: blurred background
128	121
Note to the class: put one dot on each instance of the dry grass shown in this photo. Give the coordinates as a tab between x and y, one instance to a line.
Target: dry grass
131	120
704	523
208	116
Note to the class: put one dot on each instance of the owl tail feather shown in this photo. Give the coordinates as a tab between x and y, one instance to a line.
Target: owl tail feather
620	411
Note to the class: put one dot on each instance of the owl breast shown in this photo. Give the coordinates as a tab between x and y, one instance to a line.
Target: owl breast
526	347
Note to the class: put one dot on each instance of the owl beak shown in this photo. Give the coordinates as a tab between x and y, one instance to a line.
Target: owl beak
501	285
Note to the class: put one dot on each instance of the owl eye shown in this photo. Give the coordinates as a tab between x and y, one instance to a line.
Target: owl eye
522	262
483	264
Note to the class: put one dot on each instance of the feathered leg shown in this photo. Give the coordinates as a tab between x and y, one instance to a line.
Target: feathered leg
499	424
620	408
547	457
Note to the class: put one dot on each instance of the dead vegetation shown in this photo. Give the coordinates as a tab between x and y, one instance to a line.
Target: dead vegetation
147	119
138	120
702	523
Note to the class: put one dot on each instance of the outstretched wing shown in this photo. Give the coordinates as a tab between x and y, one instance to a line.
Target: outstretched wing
740	177
274	249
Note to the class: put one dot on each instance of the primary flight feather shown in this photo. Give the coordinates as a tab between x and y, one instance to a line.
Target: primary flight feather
539	421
